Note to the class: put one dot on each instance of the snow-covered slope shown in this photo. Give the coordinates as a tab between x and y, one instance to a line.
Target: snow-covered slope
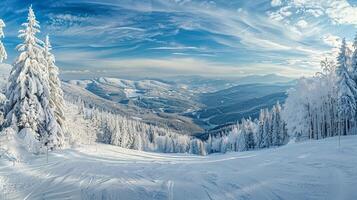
310	170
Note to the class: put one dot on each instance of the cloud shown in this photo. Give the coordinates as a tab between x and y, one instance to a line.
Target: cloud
332	40
176	48
276	3
342	12
90	64
70	19
338	11
185	36
302	24
236	30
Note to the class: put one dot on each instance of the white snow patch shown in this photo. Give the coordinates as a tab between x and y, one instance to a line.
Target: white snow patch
311	170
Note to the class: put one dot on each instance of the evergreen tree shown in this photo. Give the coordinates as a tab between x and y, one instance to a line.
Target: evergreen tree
138	142
267	129
28	91
3	54
275	126
346	92
249	135
260	135
209	144
56	93
282	137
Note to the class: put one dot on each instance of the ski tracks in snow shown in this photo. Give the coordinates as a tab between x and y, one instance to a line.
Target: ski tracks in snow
297	171
170	189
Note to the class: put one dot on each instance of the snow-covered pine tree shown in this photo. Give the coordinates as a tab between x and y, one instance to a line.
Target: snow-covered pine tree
137	142
277	136
282	131
56	93
28	110
260	134
209	144
3	54
224	144
197	147
250	135
274	126
347	92
267	129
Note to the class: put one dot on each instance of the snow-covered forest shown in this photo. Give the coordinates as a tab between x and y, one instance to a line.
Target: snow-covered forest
128	133
178	99
267	131
325	105
34	109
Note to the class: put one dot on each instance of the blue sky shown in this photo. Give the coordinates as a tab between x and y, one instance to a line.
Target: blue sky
155	38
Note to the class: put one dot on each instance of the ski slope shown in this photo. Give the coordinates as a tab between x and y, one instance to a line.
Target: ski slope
309	170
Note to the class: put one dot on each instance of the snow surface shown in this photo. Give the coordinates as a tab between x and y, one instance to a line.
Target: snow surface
310	170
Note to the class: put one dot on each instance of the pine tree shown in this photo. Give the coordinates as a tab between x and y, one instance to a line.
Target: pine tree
346	92
56	93
138	142
267	130
279	130
276	124
3	54
224	143
28	91
260	135
209	144
242	140
250	140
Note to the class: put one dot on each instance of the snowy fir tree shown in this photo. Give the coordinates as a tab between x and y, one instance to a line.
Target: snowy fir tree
347	92
279	132
56	94
261	133
28	108
3	54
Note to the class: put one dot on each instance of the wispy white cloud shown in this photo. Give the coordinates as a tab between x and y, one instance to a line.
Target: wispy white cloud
234	28
338	11
275	3
331	40
302	24
177	47
168	66
211	37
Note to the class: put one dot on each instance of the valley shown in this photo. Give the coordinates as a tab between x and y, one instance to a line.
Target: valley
190	104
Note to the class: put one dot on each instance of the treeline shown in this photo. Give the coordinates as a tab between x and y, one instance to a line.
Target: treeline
267	131
134	134
325	105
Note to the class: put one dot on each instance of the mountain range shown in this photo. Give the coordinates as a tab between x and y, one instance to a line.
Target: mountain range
190	104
